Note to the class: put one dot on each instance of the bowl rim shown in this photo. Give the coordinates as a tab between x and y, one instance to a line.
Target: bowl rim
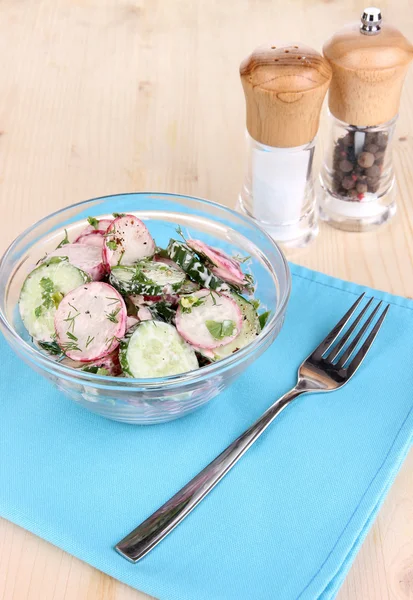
105	381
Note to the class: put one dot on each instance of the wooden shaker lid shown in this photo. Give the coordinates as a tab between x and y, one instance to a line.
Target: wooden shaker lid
284	86
368	73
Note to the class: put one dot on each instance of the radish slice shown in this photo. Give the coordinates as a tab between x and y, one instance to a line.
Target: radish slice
144	314
229	277
90	321
127	241
86	258
207	319
109	363
225	267
102	227
131	321
166	261
94	238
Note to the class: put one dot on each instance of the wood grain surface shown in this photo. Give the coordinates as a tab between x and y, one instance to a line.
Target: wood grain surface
103	96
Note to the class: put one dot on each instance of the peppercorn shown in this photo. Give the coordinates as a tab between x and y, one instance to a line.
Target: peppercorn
362	188
348	183
365	160
346	166
373	171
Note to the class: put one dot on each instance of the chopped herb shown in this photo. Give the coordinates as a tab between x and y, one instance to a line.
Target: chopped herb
38	311
120	257
249	286
74	307
70	347
51	347
163	311
64	241
114	300
214	300
93	222
109	341
71	336
117	215
263	318
95	370
241	259
220	330
187	303
113	315
141	277
255	303
47	284
180	232
48	288
54	260
57	297
112	245
71	320
89	340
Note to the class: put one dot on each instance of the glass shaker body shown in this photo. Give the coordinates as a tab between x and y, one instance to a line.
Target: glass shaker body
357	178
278	191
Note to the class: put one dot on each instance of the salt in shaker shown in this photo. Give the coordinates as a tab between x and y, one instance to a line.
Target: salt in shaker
369	60
284	86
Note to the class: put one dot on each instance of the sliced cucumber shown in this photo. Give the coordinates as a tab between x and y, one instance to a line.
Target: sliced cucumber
42	292
122	279
192	265
155	349
249	331
148	278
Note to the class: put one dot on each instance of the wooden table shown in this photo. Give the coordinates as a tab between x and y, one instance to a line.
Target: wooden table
103	96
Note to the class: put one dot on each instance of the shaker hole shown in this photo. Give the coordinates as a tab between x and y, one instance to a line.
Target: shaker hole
275	59
286	51
295	46
273	47
299	57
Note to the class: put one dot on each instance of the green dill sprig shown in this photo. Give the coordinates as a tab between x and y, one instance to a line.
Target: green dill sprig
113	315
180	233
115	300
64	241
89	340
241	259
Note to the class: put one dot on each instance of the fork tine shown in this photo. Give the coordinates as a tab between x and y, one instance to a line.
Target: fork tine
358	359
335	332
346	355
337	349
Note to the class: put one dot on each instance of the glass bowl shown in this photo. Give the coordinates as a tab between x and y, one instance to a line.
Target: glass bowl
148	401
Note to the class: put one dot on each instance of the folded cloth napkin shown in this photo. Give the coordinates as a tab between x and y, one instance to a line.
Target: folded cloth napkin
287	521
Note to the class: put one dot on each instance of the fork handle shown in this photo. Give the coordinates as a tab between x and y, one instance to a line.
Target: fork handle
149	533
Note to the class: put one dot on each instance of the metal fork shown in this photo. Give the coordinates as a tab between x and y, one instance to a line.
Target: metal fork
326	369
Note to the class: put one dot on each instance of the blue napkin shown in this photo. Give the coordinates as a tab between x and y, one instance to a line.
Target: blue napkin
288	520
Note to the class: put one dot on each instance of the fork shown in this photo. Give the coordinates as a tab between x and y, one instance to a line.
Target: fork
327	368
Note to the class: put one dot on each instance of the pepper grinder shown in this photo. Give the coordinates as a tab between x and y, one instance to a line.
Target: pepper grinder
369	62
284	86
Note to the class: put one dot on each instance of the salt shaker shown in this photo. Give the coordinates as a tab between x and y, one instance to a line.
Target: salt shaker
369	60
284	86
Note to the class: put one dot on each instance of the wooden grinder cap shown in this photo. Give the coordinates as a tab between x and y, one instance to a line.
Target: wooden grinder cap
284	86
368	71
